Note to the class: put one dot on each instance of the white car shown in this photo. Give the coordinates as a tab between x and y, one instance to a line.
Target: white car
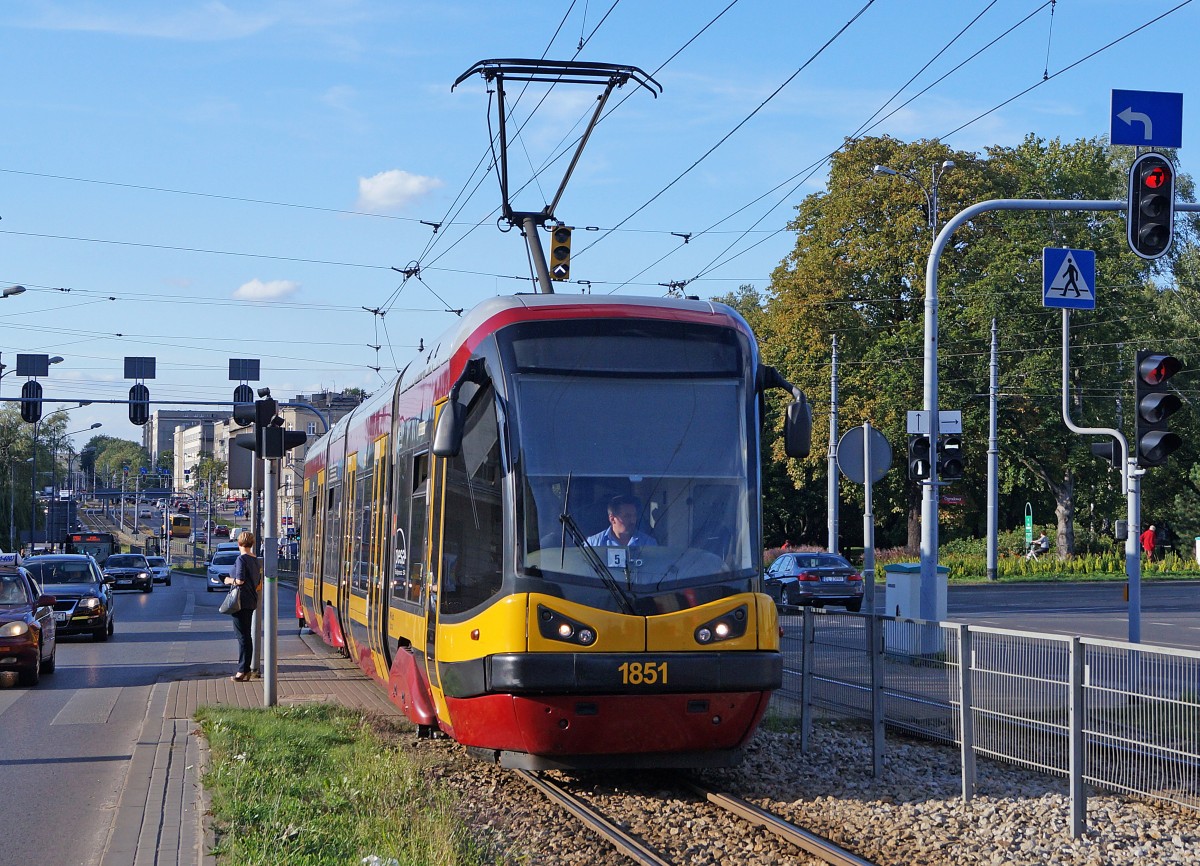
145	512
160	568
219	568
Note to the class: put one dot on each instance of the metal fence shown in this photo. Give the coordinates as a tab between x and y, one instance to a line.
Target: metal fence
1118	716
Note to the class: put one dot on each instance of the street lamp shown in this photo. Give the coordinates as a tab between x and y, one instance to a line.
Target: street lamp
931	191
68	436
12	290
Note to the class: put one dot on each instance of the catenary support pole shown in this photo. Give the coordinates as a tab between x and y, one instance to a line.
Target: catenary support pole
832	481
993	466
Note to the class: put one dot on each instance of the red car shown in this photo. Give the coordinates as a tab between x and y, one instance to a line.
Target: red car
27	634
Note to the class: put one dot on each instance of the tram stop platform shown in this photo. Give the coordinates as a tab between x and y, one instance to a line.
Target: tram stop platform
162	816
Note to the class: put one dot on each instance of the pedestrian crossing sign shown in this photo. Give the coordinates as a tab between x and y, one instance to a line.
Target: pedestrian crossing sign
1068	278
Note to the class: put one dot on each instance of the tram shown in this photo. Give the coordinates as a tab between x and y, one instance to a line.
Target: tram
452	538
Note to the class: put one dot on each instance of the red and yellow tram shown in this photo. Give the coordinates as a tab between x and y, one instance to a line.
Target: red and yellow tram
451	540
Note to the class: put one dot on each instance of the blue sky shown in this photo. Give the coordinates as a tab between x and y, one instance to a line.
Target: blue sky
198	181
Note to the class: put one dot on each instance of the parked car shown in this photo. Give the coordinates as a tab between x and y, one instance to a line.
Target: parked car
816	579
220	567
83	602
28	636
129	570
161	569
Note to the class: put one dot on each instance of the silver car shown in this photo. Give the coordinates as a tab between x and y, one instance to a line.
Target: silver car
220	567
161	569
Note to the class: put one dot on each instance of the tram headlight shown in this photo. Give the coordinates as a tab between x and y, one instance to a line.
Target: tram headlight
553	625
729	625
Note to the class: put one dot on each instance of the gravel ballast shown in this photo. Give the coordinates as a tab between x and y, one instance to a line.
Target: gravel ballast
912	815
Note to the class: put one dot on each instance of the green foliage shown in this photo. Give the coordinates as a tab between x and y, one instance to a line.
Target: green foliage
857	272
316	785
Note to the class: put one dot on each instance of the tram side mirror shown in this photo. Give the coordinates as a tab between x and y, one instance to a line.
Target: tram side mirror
797	428
448	434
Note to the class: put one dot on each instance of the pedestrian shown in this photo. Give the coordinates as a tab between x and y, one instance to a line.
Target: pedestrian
1148	539
246	575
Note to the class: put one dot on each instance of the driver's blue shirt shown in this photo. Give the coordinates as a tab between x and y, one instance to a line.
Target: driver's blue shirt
607	539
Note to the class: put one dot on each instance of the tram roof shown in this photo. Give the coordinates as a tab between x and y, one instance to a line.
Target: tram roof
481	314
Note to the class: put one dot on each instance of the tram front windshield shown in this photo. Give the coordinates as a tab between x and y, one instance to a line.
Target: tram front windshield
657	421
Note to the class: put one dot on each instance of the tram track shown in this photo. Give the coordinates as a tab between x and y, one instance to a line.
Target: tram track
640	852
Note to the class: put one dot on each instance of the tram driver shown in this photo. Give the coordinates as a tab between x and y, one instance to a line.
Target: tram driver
622	531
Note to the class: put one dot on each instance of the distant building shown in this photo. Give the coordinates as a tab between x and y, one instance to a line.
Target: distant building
159	432
190	445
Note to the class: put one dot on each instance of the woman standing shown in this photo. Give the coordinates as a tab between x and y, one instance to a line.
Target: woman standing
247	576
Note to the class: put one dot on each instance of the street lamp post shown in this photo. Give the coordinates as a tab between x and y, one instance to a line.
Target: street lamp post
929	487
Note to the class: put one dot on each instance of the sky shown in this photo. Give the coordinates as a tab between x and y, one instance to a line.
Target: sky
197	181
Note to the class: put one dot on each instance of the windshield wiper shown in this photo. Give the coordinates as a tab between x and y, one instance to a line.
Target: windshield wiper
589	554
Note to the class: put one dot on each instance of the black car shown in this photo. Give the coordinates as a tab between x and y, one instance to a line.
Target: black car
129	571
83	601
28	638
816	579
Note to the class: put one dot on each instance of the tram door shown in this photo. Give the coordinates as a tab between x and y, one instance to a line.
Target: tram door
377	603
437	481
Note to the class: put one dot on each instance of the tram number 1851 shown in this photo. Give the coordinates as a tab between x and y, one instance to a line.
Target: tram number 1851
643	673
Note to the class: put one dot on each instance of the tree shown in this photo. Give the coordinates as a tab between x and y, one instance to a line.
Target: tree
857	271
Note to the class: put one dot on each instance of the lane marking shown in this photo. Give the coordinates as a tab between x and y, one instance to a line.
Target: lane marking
88	707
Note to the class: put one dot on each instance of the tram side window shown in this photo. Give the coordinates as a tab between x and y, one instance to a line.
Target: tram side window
360	578
333	534
472	535
408	556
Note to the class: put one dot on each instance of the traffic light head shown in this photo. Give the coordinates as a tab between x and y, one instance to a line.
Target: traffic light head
560	253
1151	216
949	457
918	456
277	441
31	401
1154	404
139	404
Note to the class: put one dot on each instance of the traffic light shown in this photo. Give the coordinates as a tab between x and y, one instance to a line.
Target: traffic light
31	401
1151	217
244	410
264	416
139	404
1108	451
918	456
277	441
560	254
1154	405
949	457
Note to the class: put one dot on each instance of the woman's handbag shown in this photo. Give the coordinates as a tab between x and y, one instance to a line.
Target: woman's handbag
233	601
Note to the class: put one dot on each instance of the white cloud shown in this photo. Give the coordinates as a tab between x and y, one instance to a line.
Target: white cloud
206	21
272	290
392	190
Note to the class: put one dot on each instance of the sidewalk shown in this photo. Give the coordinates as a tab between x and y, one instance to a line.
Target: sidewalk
161	819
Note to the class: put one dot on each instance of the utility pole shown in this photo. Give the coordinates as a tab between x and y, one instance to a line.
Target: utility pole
832	481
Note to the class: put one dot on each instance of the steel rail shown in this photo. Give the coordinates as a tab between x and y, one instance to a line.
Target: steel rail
810	842
592	819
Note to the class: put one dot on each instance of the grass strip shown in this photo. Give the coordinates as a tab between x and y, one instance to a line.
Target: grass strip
318	784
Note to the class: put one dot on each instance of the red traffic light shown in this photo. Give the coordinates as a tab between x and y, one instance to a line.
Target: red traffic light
1156	176
1156	369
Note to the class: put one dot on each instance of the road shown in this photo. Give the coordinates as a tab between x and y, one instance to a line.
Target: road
68	741
1170	609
